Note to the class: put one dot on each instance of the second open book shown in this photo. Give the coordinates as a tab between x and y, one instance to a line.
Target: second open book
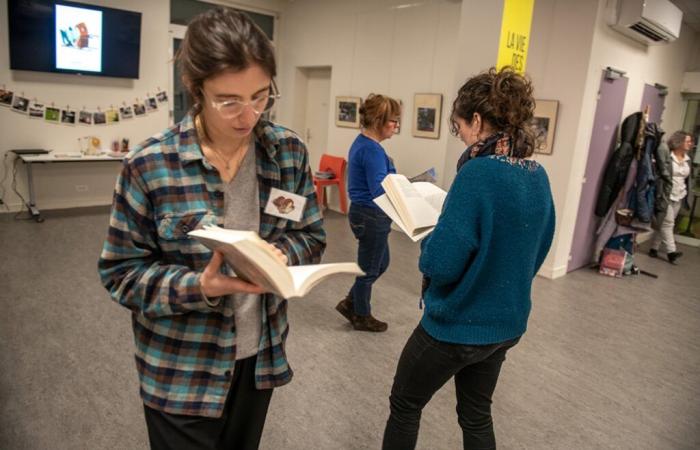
414	207
254	261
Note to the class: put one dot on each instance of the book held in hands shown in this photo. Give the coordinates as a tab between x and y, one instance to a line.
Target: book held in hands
252	259
414	207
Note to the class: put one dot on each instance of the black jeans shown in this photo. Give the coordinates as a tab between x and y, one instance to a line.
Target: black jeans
426	364
371	228
240	426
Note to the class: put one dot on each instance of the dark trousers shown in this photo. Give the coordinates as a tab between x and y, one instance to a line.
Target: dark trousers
426	364
371	228
240	426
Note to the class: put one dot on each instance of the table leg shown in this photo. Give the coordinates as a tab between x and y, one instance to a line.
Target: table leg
31	205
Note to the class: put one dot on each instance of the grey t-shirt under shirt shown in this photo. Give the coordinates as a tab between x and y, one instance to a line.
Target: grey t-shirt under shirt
242	212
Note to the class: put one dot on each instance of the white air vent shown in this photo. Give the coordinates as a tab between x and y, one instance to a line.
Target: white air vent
648	21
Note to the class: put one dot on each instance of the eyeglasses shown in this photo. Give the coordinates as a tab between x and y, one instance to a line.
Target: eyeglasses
396	122
230	109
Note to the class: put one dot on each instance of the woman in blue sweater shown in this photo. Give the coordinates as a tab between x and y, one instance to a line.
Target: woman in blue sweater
368	164
494	232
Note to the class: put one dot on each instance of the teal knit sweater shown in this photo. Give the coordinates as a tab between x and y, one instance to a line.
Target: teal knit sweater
494	232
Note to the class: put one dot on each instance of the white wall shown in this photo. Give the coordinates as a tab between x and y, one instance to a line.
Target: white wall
373	47
56	183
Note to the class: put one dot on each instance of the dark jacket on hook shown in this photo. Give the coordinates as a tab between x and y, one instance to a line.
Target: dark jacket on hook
619	164
644	189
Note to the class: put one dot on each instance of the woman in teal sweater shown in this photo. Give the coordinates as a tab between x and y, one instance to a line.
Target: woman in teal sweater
494	232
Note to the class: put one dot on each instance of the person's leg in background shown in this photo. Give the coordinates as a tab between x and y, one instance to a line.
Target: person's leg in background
474	386
664	236
371	230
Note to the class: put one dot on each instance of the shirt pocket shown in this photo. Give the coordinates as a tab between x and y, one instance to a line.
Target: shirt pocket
174	241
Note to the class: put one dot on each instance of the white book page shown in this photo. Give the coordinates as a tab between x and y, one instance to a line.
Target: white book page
415	210
307	276
385	204
432	194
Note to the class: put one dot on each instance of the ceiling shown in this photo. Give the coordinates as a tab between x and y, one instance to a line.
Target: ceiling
691	12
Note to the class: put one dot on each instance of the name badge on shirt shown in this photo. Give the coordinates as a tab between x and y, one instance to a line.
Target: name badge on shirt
285	205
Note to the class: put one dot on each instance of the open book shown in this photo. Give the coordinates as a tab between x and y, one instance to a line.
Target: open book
252	260
414	207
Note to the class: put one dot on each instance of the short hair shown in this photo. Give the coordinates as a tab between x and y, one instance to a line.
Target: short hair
221	39
504	99
677	139
377	110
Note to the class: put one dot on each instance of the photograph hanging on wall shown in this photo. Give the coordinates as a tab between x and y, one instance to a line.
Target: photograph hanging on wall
5	97
68	117
126	112
162	97
544	124
36	110
139	109
151	104
427	114
20	104
112	116
52	114
99	118
347	112
85	118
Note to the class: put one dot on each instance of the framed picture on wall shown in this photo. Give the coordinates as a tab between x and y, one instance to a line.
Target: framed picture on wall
543	124
427	113
347	112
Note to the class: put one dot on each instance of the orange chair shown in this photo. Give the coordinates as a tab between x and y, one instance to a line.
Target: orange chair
337	165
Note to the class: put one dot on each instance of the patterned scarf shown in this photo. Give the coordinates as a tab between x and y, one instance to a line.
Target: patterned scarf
497	144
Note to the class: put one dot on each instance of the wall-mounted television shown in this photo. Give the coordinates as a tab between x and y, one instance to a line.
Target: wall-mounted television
70	37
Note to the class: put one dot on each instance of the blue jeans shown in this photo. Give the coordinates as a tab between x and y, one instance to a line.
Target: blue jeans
371	228
425	365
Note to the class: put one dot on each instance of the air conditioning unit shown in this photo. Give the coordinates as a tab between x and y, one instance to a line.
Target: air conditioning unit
652	22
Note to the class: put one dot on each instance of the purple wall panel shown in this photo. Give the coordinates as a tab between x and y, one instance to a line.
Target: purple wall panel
651	97
608	115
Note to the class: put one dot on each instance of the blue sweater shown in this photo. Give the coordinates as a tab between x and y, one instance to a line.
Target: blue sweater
494	232
368	164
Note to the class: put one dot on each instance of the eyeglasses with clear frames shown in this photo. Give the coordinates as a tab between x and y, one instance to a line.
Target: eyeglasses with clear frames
230	109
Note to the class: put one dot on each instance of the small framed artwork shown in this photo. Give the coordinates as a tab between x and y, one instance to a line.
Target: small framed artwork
85	117
427	114
52	114
126	112
67	117
36	110
5	97
20	104
111	116
347	112
99	118
544	123
151	104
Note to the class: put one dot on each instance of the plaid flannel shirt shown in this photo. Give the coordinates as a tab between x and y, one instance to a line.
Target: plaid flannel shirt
185	349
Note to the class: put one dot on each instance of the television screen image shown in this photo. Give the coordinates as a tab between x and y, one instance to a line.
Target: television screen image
78	39
71	37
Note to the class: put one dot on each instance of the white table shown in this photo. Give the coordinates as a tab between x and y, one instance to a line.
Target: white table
29	160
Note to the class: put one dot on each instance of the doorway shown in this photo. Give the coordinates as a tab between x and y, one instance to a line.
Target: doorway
611	100
313	98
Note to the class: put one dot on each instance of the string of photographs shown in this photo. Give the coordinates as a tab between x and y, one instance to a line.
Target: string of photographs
35	109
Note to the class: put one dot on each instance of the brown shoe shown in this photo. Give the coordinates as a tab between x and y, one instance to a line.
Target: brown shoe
369	323
346	308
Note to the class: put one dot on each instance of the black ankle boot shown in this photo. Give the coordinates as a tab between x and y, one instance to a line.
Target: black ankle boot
673	257
653	253
346	308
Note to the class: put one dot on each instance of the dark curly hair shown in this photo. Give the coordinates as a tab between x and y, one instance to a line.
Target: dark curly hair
377	110
221	39
503	98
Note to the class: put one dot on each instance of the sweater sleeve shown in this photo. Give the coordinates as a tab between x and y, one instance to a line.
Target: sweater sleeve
376	169
448	250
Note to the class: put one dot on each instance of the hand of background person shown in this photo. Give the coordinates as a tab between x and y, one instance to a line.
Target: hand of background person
278	253
213	283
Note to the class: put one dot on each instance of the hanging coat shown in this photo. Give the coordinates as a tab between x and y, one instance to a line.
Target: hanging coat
618	166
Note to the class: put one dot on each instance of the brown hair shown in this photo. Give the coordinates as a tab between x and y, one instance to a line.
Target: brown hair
377	110
503	98
677	139
221	39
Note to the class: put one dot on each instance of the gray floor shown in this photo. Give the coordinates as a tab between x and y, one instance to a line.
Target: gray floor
606	363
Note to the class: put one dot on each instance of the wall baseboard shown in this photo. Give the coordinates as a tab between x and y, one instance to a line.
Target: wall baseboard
552	273
14	208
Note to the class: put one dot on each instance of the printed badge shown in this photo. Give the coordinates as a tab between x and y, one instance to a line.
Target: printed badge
285	205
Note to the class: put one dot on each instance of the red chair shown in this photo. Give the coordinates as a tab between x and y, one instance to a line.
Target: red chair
337	166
